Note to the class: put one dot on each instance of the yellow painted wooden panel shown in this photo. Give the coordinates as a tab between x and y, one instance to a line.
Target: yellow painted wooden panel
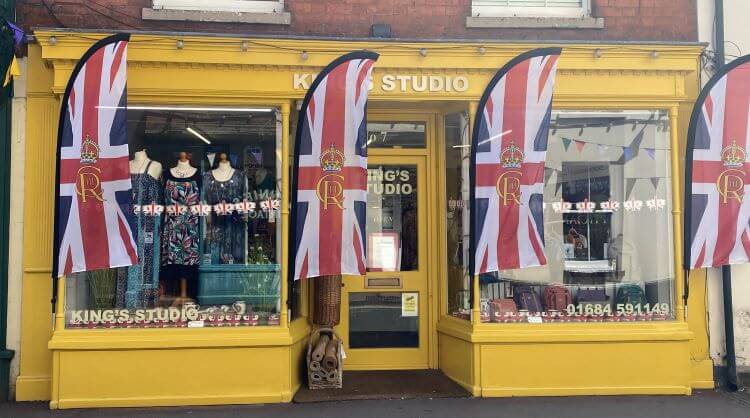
456	360
173	377
585	368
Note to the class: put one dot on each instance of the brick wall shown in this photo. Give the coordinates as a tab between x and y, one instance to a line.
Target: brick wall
658	20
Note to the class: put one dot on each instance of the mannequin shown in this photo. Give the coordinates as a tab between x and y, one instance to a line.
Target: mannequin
226	234
138	285
224	171
181	232
183	169
140	163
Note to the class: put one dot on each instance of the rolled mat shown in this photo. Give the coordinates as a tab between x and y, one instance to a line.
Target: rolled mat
330	360
331	376
320	348
318	376
315	366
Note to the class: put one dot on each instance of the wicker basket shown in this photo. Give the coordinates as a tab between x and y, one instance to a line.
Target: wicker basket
327	301
337	382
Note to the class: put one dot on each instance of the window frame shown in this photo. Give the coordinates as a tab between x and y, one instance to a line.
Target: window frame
242	6
481	10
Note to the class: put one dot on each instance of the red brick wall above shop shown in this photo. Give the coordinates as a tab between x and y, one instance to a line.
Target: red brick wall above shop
658	20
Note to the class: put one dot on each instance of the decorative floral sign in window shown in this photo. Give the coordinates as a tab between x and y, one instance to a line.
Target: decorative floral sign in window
206	217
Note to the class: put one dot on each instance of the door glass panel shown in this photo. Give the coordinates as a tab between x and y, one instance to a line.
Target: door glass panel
396	134
392	218
377	320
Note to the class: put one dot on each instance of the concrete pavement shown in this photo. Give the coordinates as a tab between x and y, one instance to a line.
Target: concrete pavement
701	404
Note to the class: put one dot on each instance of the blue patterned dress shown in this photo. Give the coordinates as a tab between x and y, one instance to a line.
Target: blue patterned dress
138	285
181	232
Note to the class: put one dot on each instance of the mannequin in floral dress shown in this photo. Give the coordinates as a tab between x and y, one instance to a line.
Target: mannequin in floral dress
181	233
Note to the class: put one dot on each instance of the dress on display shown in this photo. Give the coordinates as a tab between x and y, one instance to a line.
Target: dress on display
138	285
181	232
226	234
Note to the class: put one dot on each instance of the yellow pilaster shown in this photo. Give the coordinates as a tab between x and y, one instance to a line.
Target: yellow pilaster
284	320
677	214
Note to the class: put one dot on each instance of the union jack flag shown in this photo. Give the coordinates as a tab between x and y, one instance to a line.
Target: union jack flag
93	225
509	147
717	171
330	174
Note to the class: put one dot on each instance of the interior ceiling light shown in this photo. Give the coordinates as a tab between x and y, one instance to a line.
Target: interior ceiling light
194	109
199	135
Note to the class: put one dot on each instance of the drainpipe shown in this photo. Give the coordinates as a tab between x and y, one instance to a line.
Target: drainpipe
726	271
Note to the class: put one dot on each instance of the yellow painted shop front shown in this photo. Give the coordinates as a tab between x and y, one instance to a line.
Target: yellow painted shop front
220	331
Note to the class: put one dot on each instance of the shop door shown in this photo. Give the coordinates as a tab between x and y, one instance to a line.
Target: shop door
385	314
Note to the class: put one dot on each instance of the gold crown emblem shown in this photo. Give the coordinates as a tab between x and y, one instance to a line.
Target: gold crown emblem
512	156
89	151
733	155
332	159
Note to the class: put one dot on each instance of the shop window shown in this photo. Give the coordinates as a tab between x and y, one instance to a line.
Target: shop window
608	227
457	153
206	218
530	8
252	6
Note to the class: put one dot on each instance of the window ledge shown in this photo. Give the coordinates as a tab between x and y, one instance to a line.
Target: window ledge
517	22
283	18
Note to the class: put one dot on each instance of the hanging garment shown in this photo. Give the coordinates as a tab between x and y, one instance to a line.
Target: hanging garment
181	231
138	285
226	234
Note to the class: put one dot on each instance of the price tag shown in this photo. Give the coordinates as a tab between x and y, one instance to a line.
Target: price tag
533	319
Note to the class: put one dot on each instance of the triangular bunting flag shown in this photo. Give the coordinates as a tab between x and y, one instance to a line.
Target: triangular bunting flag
566	143
655	182
603	149
651	153
629	185
580	145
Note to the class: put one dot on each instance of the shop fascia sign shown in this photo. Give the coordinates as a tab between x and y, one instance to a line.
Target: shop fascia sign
400	83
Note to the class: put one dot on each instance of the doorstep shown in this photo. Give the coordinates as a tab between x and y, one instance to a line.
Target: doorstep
386	384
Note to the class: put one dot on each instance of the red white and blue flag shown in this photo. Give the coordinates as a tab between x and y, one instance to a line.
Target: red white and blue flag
93	219
509	148
717	211
330	173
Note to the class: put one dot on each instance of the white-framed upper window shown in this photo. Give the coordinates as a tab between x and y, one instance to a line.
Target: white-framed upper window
531	8
247	6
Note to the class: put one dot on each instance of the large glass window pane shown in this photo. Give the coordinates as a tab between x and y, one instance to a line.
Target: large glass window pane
392	239
376	321
457	152
608	226
205	216
396	135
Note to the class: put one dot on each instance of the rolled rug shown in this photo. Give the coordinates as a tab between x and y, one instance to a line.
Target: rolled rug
320	348
331	360
331	376
318	376
315	366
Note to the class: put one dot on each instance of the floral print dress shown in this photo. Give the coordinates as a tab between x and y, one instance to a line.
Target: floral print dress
181	233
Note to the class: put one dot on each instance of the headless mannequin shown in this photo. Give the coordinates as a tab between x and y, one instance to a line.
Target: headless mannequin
139	163
183	169
224	171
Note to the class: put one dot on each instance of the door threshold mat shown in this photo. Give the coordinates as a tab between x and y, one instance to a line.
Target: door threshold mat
386	384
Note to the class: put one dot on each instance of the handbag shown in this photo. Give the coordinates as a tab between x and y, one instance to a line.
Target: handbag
501	309
591	294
